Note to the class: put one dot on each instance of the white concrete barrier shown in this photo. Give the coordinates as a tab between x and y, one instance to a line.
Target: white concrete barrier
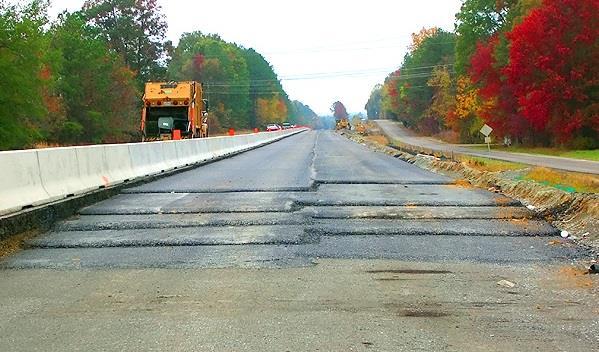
170	159
20	184
186	151
36	177
120	168
202	151
93	168
60	172
147	158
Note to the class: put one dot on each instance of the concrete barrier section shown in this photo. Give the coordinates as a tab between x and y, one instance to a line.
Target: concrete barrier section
20	181
60	172
147	158
186	150
170	159
118	159
93	168
35	177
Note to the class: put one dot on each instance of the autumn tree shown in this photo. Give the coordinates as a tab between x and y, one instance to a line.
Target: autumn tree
465	119
482	52
339	111
443	100
477	21
421	36
497	108
265	90
269	110
135	29
406	95
553	69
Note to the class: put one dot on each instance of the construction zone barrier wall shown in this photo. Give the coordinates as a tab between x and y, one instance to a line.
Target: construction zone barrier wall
30	178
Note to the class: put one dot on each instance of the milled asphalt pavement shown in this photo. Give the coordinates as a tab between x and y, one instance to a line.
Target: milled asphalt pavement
396	132
311	243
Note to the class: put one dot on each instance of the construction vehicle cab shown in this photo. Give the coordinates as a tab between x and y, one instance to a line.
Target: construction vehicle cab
342	124
174	110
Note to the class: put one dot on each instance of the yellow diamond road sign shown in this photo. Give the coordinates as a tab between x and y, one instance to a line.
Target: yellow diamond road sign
486	130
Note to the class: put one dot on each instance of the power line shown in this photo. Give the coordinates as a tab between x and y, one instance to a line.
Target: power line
337	74
332	48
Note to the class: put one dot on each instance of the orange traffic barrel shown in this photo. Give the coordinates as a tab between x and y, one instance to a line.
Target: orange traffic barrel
176	135
231	132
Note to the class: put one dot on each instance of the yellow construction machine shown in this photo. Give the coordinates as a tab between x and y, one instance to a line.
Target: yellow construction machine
342	124
174	110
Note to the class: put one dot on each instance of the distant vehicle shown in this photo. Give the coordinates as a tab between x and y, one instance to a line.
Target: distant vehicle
342	124
273	127
287	125
173	110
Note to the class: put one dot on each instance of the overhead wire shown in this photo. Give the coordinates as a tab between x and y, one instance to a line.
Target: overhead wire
324	75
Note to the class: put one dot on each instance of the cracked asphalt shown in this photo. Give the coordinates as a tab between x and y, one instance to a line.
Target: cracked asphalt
311	243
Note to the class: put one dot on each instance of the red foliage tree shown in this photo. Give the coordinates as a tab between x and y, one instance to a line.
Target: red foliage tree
198	62
554	67
500	106
339	111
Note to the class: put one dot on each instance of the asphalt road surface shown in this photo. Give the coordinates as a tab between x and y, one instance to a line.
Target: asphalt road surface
313	243
397	132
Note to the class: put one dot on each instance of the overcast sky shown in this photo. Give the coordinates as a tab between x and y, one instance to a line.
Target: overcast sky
323	50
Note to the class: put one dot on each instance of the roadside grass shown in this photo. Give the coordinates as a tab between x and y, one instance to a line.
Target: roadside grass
564	180
485	164
592	155
378	138
582	154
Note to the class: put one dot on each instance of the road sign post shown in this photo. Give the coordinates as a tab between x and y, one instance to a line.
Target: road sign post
486	131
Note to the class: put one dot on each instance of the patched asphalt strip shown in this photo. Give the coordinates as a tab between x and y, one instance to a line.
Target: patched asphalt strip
452	227
177	257
158	221
190	236
420	212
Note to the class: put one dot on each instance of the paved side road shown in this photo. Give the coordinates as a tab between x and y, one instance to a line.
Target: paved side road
395	131
313	243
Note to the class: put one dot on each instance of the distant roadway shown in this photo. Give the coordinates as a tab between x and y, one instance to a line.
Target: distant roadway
312	243
397	132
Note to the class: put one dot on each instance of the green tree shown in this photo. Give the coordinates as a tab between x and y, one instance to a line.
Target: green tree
443	101
477	21
302	114
24	56
135	29
97	89
264	85
406	94
222	69
373	106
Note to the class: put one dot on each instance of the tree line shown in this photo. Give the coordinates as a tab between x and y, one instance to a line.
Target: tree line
78	79
527	68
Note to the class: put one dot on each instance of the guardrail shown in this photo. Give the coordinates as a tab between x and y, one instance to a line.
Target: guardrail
30	178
